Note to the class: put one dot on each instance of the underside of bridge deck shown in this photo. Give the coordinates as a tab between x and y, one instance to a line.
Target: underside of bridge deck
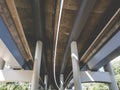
93	24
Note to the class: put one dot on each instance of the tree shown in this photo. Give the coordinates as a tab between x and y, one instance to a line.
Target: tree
116	68
14	86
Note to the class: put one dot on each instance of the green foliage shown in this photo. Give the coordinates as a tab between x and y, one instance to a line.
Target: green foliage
116	67
95	86
14	86
101	86
118	80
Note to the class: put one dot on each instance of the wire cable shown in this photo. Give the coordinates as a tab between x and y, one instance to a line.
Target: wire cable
56	42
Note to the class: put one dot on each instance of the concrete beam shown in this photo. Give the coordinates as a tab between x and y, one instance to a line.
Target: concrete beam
111	48
15	75
110	28
39	28
6	55
89	76
17	22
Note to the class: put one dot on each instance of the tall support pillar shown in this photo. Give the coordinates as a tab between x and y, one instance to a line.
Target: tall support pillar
41	88
2	63
50	87
37	64
46	81
113	85
61	81
75	66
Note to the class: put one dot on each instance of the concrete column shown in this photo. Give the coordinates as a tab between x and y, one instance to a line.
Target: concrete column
46	81
41	88
37	64
75	66
2	63
61	81
50	87
113	84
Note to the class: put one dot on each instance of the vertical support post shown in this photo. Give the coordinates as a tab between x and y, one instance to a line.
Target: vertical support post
61	81
75	66
41	88
113	84
37	64
50	87
2	63
45	81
